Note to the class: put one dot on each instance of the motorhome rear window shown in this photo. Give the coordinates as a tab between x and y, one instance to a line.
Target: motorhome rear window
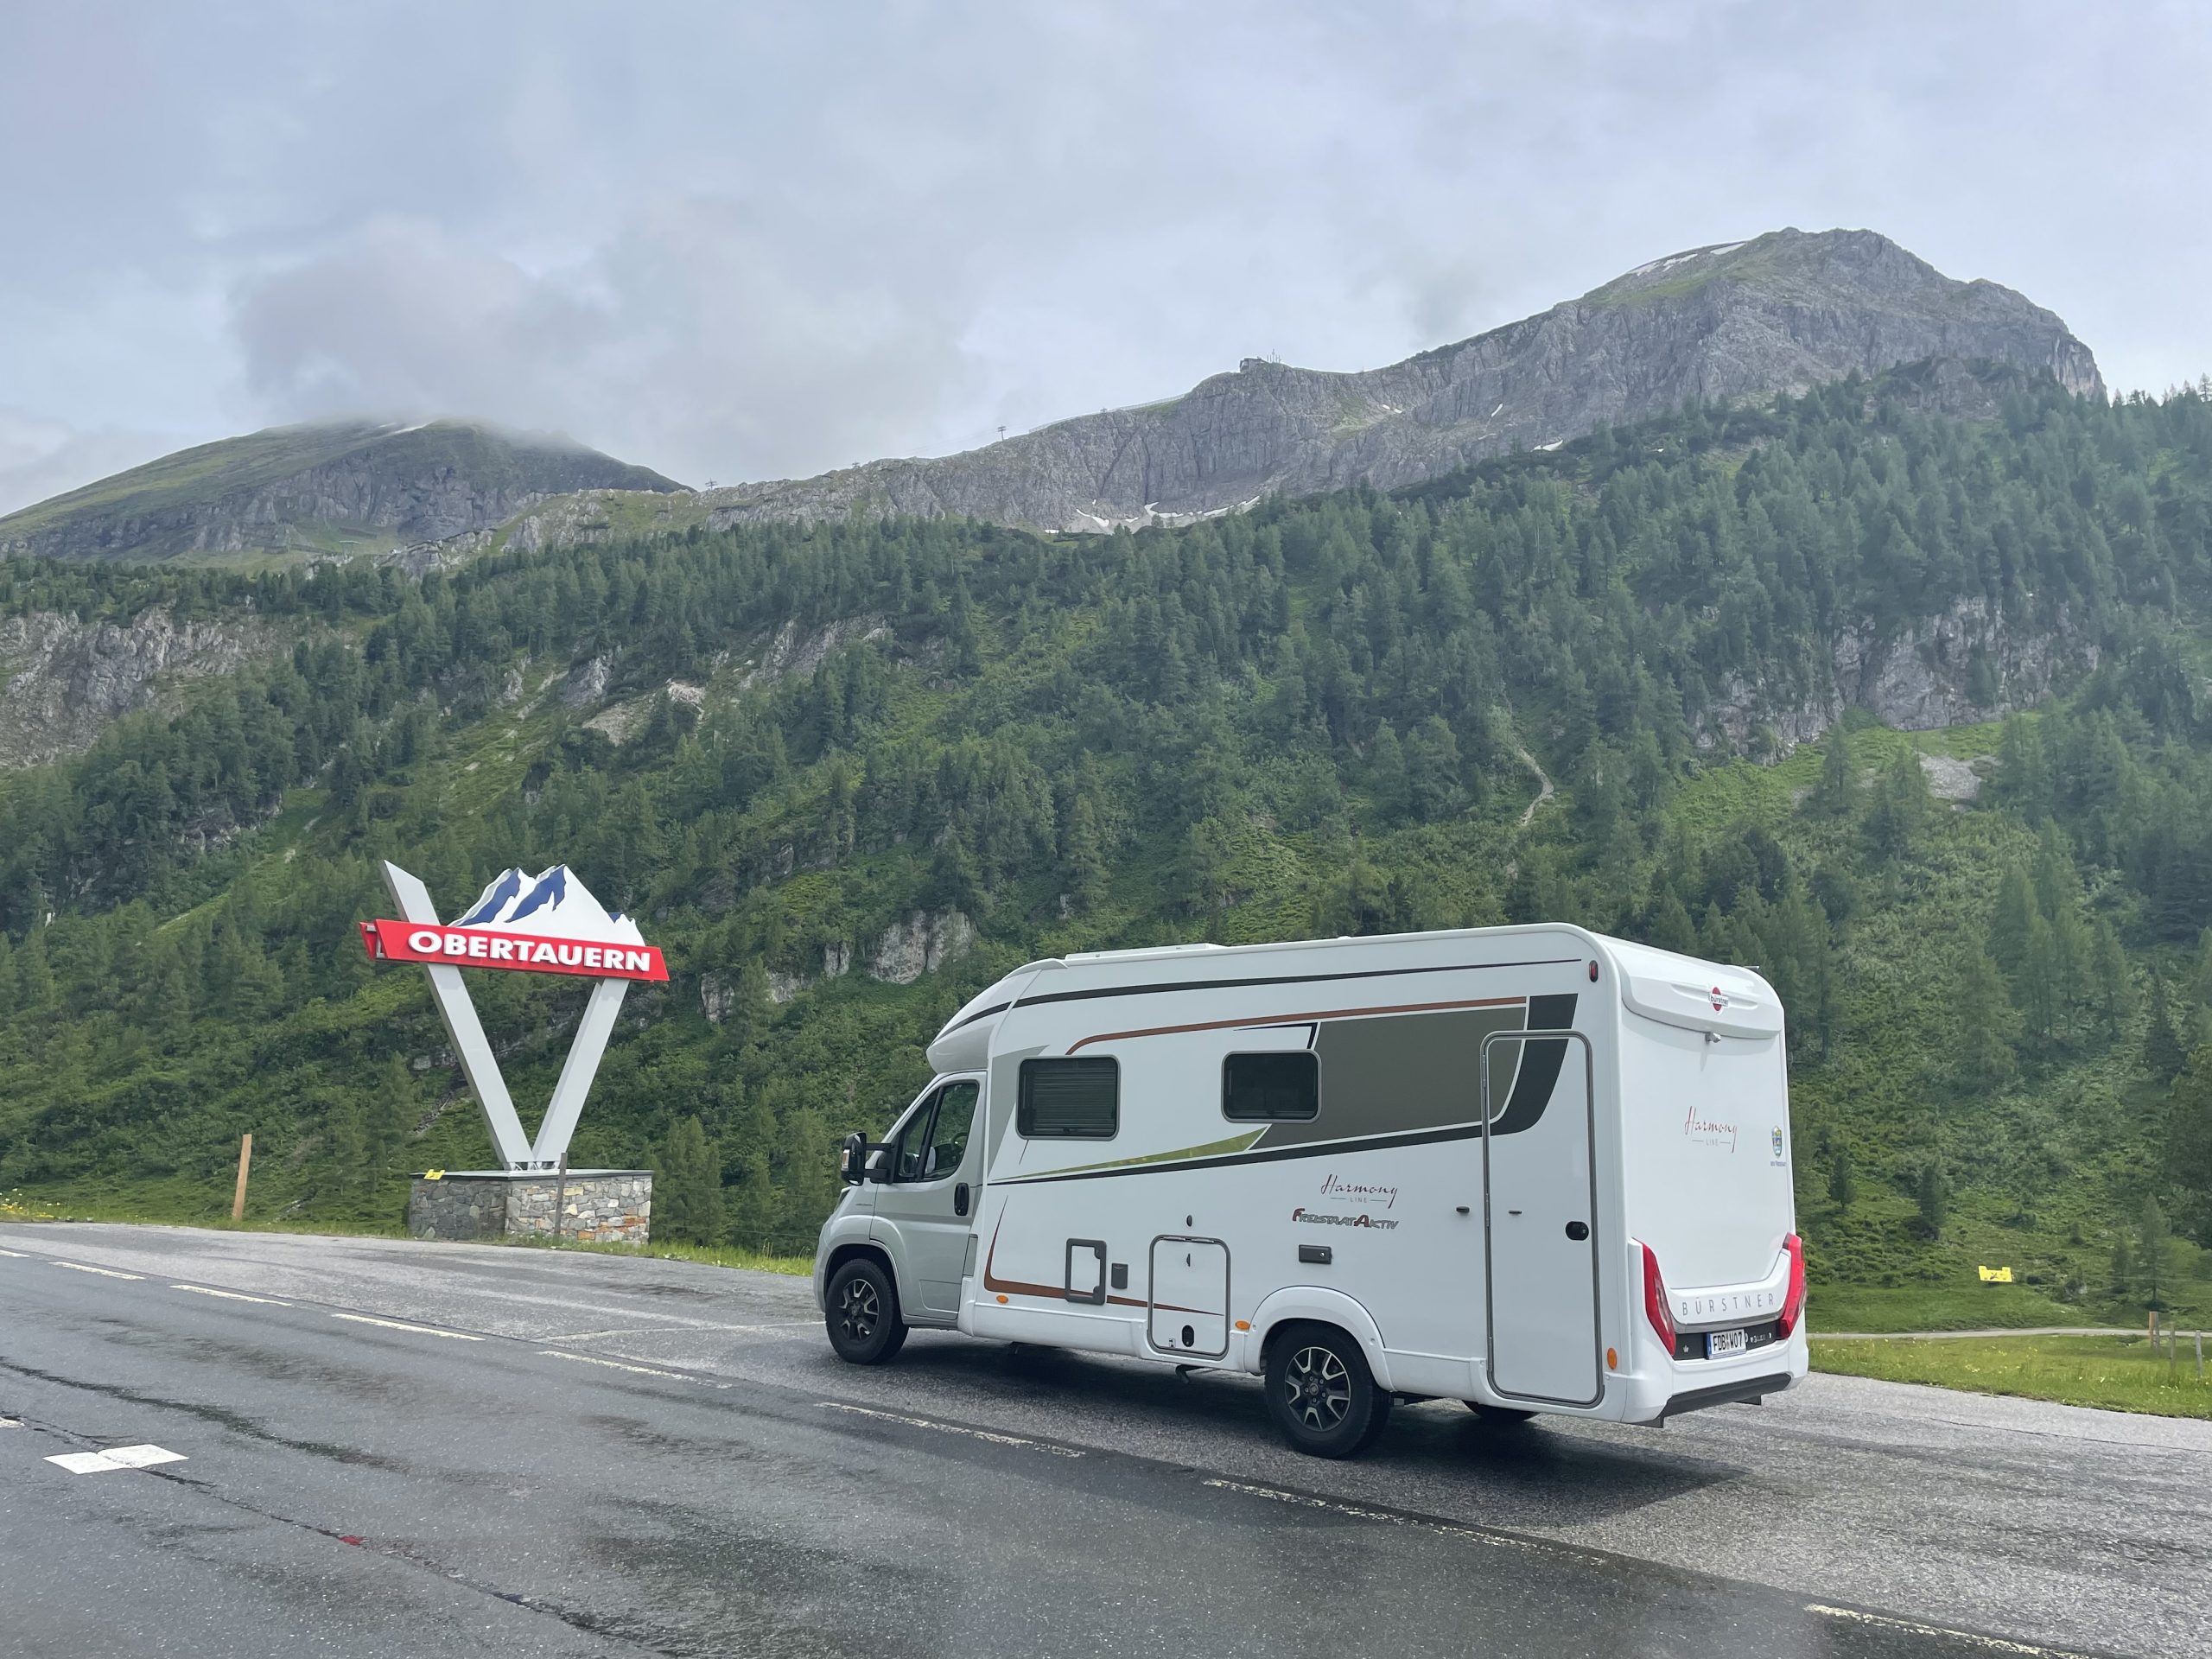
1270	1088
1073	1099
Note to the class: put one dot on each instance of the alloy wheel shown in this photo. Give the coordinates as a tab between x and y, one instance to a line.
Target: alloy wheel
1318	1388
859	1310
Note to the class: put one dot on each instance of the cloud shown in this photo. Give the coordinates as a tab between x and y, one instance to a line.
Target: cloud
41	457
749	242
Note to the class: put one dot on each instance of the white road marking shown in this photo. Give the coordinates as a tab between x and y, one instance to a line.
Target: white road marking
1991	1644
620	1365
685	1328
109	1272
231	1296
419	1330
951	1429
141	1457
85	1463
1441	1529
20	1256
117	1457
11	1422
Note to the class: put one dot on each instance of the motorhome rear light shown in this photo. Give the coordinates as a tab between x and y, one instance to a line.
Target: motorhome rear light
1655	1298
1793	1299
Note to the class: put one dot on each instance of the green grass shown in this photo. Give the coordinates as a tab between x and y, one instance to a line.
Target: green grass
712	1255
2113	1373
1932	1307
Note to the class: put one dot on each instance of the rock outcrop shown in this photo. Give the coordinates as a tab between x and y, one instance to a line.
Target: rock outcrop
920	945
63	680
1963	666
1779	313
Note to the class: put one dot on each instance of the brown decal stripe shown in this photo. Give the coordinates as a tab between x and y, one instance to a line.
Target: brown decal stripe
1298	1019
1059	1293
1160	988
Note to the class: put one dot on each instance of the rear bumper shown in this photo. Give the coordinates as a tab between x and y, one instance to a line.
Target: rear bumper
1661	1386
1725	1394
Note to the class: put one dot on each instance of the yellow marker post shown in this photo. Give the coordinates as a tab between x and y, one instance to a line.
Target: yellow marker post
1996	1275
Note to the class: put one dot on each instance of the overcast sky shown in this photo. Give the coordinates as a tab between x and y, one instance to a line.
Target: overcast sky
737	242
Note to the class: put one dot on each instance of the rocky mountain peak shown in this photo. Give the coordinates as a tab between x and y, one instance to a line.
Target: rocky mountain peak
1778	313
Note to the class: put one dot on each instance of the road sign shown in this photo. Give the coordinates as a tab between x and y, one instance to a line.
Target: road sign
544	924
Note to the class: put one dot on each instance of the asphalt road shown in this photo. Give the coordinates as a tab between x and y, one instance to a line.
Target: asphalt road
393	1448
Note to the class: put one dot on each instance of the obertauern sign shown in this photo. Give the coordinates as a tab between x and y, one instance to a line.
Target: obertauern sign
544	924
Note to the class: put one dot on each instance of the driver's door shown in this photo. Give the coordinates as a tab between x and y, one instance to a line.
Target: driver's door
925	1205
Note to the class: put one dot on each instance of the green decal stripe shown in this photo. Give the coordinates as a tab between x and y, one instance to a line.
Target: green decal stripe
1212	1148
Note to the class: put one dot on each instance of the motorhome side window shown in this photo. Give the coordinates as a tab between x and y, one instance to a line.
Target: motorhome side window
1072	1099
1270	1088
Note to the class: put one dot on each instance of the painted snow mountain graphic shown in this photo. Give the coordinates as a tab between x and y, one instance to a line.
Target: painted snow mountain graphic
553	904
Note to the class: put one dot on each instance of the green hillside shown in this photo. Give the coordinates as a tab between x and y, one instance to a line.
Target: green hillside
1316	718
333	487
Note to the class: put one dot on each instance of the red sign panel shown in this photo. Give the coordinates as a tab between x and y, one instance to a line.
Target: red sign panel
529	953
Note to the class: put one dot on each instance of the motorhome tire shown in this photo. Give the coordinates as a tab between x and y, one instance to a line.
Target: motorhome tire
1321	1394
1499	1416
864	1324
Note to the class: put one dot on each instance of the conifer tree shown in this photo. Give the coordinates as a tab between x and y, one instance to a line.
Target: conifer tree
1933	1198
1670	927
2154	1242
1837	795
1386	772
1988	1025
688	1187
2163	1055
2112	979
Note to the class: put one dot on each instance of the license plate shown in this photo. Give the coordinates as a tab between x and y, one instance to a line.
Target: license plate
1719	1345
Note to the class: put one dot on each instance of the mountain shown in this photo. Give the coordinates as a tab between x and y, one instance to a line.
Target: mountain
554	903
1907	707
1737	321
352	486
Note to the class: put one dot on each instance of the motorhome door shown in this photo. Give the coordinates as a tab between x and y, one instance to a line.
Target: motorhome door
925	1208
1540	1214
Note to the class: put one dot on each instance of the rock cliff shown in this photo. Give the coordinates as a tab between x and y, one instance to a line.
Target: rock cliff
1778	314
63	680
301	491
1962	666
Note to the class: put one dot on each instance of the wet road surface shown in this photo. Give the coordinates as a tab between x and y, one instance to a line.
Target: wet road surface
390	1447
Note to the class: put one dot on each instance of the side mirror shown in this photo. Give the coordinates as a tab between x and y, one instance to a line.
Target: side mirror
852	1161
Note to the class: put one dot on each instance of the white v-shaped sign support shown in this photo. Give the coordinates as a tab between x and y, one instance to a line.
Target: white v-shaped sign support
482	1066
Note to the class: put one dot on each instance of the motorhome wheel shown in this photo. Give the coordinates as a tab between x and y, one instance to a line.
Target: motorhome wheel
1321	1394
864	1324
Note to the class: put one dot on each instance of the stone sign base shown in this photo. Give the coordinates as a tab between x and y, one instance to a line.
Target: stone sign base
597	1206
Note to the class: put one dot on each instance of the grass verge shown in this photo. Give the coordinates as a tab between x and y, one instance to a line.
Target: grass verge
713	1256
1930	1307
2114	1373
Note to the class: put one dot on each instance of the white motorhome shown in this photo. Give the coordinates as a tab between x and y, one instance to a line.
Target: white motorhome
1530	1168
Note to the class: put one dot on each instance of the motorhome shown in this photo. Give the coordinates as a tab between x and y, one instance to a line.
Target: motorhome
1530	1168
